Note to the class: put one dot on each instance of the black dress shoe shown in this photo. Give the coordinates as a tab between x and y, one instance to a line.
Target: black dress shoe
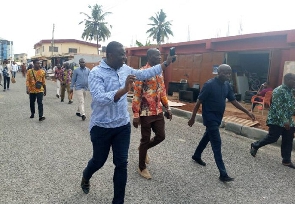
78	114
225	178
85	185
199	161
32	116
253	151
83	117
70	102
57	96
291	165
41	118
61	100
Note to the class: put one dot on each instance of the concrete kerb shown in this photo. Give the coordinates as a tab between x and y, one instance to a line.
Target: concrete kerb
250	132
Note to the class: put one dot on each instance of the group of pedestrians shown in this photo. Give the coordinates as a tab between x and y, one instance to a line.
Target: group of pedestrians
63	76
72	81
110	127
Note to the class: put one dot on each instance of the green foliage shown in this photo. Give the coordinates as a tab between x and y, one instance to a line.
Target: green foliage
139	44
160	27
95	26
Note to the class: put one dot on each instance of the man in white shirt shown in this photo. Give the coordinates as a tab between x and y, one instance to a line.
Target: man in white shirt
14	69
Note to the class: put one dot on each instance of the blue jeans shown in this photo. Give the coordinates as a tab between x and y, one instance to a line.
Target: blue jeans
13	74
212	134
102	140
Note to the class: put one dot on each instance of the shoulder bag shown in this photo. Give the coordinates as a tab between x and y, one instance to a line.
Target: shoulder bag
38	84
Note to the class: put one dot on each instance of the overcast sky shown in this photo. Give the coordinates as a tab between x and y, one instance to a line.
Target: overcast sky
26	22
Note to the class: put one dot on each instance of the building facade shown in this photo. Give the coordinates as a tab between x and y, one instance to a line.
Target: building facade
61	50
20	58
6	49
254	58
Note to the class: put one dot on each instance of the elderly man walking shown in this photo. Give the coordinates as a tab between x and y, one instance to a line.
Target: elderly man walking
213	97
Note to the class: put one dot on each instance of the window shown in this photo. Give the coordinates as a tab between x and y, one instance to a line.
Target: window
72	50
43	48
55	49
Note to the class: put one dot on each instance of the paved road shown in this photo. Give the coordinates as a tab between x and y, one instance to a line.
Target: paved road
41	162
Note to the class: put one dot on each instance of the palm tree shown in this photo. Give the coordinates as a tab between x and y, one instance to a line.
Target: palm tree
160	27
139	44
95	26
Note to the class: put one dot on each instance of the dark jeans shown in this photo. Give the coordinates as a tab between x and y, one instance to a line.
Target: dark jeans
273	135
212	134
6	82
148	123
39	97
102	139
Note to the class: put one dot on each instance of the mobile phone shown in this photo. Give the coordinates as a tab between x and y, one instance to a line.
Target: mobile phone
172	53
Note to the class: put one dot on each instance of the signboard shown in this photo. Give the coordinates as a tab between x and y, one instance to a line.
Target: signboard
215	69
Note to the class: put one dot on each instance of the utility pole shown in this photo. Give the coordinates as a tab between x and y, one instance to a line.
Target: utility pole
52	46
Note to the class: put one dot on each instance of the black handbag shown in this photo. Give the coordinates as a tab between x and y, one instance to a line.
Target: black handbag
38	84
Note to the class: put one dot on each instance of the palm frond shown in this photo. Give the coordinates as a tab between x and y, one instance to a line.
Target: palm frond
160	28
95	27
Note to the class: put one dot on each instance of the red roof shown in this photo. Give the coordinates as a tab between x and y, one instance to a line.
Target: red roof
65	41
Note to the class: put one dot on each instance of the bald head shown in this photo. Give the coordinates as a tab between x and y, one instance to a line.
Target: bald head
289	80
224	67
151	51
224	72
153	56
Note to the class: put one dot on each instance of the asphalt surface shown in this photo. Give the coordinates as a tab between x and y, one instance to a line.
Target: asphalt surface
42	162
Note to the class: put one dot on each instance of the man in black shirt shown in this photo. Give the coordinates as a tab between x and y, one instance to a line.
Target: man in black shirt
213	97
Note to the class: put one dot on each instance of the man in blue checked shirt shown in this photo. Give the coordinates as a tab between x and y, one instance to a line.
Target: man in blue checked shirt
109	127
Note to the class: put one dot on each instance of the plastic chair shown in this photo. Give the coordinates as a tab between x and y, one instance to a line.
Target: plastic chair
266	100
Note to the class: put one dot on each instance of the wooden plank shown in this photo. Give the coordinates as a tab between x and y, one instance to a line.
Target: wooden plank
241	121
